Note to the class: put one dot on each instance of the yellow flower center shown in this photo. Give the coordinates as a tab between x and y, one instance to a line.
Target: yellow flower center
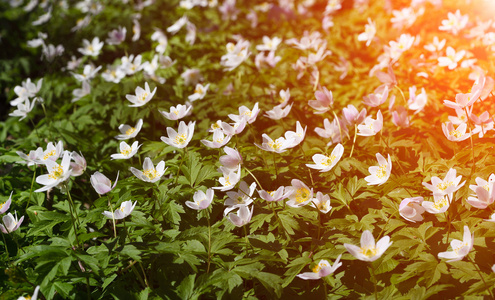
215	126
143	96
329	160
319	266
302	195
382	171
369	252
456	133
444	185
323	205
275	145
57	173
126	152
247	113
180	139
1	205
151	173
227	181
198	90
49	154
440	203
130	131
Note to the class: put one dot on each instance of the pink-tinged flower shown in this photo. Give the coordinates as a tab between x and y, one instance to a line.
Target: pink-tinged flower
199	92
130	65
455	22
240	198
459	248
352	116
229	179
417	102
128	132
483	123
404	17
296	136
335	130
125	209
149	173
78	165
322	269
463	100
387	78
448	185
201	200
30	158
236	55
92	48
381	173
436	45
451	59
89	72
321	202
57	173
102	184
248	114
369	251
116	36
162	40
411	209
266	60
174	28
277	195
181	138
455	134
83	91
400	117
126	151
232	159
177	113
371	126
301	194
236	127
6	205
484	192
377	98
323	102
219	139
10	223
242	217
278	112
369	32
284	97
142	96
439	205
460	118
325	163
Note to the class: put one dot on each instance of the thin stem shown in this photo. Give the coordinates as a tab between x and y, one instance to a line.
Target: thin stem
481	276
402	93
180	165
88	290
354	140
5	244
31	190
144	274
384	226
74	224
72	203
113	217
390	149
246	236
472	143
447	218
254	177
374	280
209	242
275	165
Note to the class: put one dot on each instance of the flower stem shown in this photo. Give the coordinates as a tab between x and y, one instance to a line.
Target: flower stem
259	184
481	276
180	165
354	140
72	203
5	244
113	217
374	280
383	228
209	242
31	190
275	165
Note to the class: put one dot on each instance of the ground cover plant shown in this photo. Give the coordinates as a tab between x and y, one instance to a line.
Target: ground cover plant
231	149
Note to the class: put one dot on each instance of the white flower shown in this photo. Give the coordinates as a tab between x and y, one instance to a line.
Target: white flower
199	92
369	251
10	223
142	96
455	134
269	44
113	74
296	136
83	91
30	159
417	102
242	217
322	269
229	179
321	202
371	126
52	152
246	113
177	113
236	54
125	209
57	173
149	173
126	151
116	36
439	205
219	139
23	109
181	138
381	173
89	72
448	185
277	195
323	102
128	132
484	192
25	91
278	112
455	22
451	59
191	76
201	200
326	163
232	159
369	32
6	205
34	297
78	165
459	248
411	209
131	64
279	145
92	48
301	194
174	28
240	198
